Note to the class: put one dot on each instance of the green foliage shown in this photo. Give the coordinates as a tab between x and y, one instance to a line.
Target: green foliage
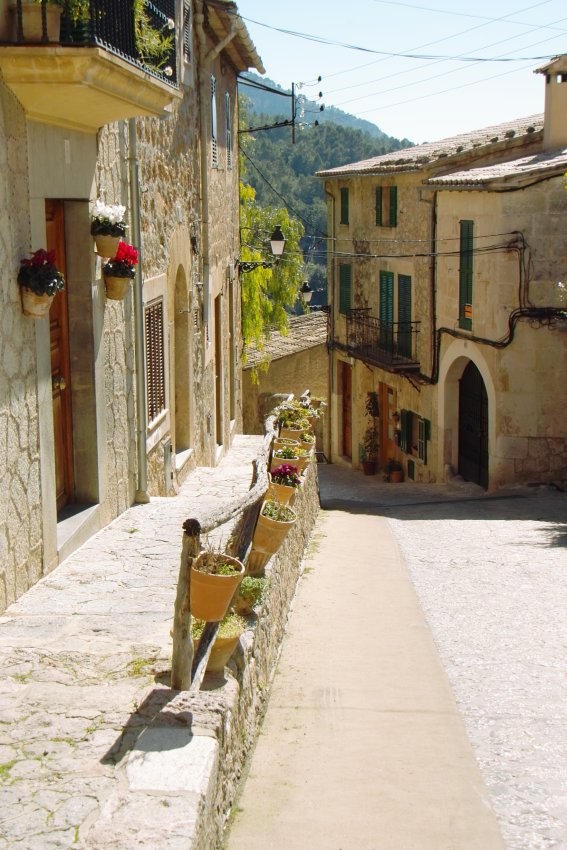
267	294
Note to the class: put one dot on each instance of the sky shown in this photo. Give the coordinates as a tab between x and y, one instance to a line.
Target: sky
442	87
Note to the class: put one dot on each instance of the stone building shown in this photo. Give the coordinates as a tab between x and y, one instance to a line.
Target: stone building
444	271
109	402
297	362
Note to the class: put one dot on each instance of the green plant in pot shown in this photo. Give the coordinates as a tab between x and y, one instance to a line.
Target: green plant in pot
250	594
369	455
215	577
40	280
394	471
231	627
272	527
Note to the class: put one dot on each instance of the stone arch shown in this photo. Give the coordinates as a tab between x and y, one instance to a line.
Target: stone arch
453	364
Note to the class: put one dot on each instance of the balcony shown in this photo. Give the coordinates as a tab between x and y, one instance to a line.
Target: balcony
84	63
391	345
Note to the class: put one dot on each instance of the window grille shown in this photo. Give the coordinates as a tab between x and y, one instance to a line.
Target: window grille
228	117
155	360
187	30
214	139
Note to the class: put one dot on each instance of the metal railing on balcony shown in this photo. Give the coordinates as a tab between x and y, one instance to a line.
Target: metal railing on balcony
392	345
142	33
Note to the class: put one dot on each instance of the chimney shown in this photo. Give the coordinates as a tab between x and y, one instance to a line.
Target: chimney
555	120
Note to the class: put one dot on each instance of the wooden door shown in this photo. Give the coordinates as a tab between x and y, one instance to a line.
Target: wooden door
346	386
473	427
60	362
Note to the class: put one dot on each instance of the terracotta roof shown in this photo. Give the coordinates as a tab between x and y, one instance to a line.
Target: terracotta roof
546	164
304	332
420	156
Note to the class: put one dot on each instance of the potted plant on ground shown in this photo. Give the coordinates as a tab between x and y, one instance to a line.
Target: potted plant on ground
107	227
394	471
214	581
274	523
250	594
119	271
231	627
284	481
370	451
40	280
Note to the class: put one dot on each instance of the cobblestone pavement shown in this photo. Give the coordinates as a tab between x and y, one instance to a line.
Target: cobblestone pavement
78	653
491	576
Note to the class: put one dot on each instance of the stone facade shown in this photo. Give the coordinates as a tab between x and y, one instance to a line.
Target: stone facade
189	235
507	187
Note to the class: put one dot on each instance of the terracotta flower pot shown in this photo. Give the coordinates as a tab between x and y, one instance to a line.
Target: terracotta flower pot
291	433
268	537
278	461
281	493
32	23
369	467
220	653
396	476
210	593
303	461
106	245
282	442
36	306
116	287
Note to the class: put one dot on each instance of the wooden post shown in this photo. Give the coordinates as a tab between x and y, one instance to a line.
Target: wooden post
182	654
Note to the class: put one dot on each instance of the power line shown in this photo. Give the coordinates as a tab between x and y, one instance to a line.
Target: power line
462	14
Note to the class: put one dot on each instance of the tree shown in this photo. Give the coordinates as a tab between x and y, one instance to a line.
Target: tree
267	293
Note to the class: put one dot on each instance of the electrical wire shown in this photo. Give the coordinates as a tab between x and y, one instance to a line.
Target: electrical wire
460	14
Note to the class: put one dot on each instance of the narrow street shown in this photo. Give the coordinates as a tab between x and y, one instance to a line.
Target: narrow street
421	687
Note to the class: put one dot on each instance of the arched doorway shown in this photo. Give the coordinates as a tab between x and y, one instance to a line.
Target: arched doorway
473	427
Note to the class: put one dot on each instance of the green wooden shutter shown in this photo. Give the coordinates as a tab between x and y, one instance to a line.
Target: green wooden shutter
387	311
345	287
344	206
466	274
393	219
424	435
404	315
379	206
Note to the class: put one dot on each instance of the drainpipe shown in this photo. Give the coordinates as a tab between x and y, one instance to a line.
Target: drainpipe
331	340
141	496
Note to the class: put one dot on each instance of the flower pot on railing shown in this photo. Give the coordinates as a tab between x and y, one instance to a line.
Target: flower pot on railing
32	21
275	521
40	280
305	456
226	641
284	483
107	227
284	442
214	581
291	433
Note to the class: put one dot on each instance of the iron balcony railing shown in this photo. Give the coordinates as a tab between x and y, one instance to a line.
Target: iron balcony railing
142	33
392	345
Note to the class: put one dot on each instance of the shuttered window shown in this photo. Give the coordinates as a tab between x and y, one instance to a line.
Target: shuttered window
466	274
345	287
404	315
214	136
415	434
387	206
187	30
387	311
155	360
228	118
344	206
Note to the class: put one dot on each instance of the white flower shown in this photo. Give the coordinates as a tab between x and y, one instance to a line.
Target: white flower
170	24
168	71
112	213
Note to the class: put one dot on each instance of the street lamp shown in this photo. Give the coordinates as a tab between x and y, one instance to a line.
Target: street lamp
277	245
306	292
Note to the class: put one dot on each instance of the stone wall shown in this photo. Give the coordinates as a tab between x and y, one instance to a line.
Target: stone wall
20	505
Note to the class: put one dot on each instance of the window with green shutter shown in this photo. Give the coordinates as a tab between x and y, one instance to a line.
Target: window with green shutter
466	253
387	206
404	315
387	310
344	206
345	287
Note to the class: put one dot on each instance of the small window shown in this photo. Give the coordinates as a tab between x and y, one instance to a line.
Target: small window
387	206
228	119
214	138
344	206
415	434
345	288
155	360
187	30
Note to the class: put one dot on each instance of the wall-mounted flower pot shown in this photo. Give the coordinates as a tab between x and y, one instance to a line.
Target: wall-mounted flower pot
303	461
268	537
35	306
32	23
277	461
116	287
280	493
283	442
106	246
291	433
211	593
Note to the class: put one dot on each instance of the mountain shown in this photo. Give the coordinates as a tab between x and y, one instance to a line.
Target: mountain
277	104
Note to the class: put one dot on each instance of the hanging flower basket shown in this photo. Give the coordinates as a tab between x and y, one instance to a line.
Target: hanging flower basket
119	272
40	280
107	227
214	581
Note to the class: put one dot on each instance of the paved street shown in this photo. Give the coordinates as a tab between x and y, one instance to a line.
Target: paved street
363	746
